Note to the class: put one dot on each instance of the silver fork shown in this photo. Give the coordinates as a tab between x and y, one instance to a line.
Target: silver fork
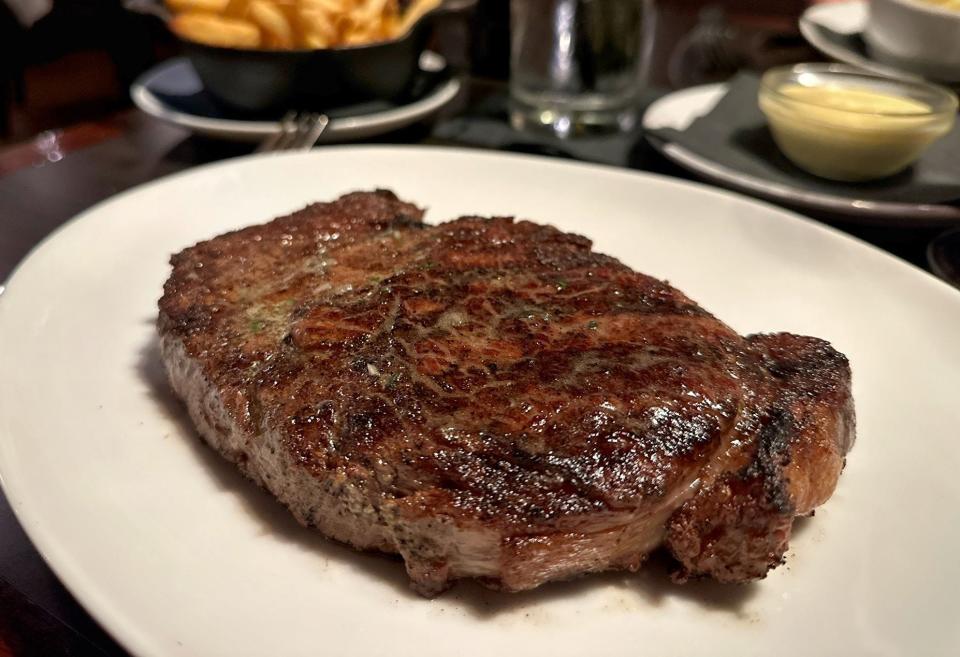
299	131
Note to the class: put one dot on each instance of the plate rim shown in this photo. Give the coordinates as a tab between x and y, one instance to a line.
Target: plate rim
877	213
809	25
130	634
247	130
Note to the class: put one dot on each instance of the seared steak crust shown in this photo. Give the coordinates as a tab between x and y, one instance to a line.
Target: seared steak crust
490	398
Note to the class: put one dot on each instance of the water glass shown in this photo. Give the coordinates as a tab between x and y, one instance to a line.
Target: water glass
575	64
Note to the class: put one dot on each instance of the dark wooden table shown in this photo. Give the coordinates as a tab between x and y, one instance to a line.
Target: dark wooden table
46	182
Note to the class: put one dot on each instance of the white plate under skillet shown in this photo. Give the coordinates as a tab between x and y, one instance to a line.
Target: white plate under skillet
173	92
679	109
175	553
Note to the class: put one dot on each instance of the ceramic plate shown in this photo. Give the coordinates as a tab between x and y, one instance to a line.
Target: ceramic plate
172	92
177	554
943	256
836	29
679	109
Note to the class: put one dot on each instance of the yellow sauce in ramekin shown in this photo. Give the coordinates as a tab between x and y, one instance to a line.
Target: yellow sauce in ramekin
848	133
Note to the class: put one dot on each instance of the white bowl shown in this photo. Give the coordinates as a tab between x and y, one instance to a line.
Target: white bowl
917	36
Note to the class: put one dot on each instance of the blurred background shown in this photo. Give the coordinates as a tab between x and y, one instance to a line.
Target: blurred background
68	61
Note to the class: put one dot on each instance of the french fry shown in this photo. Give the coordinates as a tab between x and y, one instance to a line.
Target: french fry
371	16
237	8
319	24
390	22
286	24
314	41
271	20
372	10
288	7
323	20
207	6
330	6
215	30
359	35
414	12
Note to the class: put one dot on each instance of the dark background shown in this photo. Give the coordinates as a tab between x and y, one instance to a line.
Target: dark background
76	63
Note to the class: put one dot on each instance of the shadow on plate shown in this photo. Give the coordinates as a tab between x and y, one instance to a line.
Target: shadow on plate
650	587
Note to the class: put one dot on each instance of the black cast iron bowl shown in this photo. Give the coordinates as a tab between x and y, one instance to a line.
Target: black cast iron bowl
263	82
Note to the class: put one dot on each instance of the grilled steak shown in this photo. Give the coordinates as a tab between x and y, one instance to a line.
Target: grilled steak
490	398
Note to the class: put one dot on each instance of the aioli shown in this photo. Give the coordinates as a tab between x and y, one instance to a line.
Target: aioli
848	133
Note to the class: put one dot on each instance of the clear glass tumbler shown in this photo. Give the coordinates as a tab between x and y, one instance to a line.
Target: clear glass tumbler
575	64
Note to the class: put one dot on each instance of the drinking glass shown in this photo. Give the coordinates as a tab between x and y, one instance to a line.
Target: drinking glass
575	64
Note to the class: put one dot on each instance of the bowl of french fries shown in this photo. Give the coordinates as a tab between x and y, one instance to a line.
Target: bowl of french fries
267	56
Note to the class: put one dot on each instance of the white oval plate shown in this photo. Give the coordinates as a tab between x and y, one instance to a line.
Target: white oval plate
679	109
176	554
180	73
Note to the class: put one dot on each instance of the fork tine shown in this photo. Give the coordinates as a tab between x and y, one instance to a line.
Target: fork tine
312	127
276	141
303	127
319	127
289	135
